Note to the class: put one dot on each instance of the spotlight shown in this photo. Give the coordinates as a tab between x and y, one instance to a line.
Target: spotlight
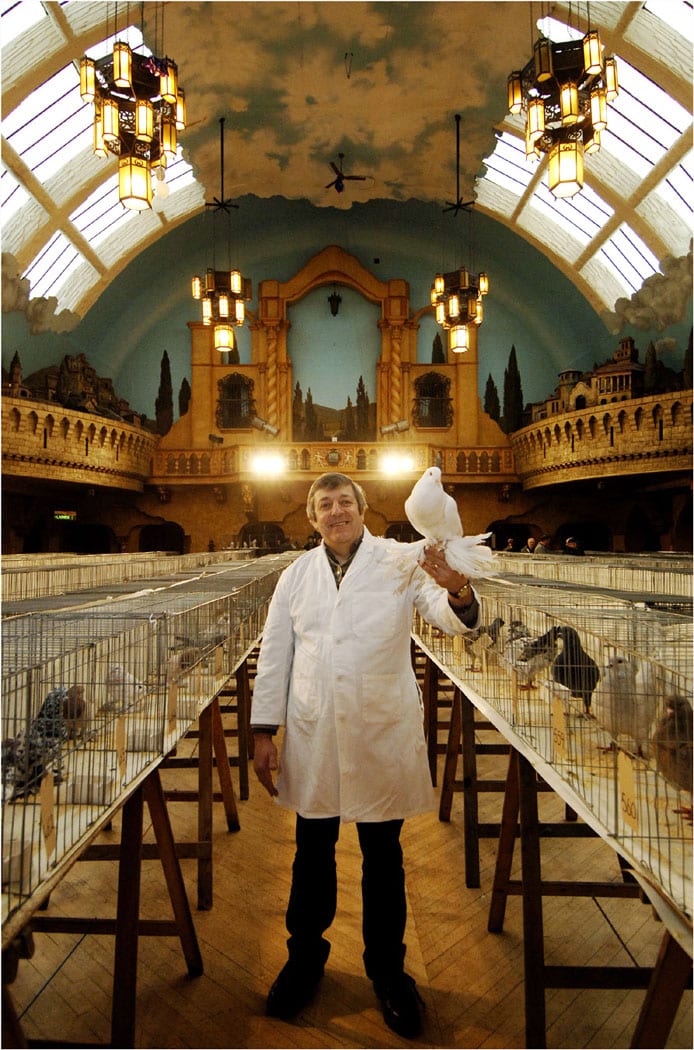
396	428
395	464
262	424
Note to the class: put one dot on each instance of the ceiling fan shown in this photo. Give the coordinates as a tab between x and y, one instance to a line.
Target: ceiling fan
458	204
340	177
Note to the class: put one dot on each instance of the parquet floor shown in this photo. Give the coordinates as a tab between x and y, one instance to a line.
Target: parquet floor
471	980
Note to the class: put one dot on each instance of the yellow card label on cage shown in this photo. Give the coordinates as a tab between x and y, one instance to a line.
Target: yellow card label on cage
121	750
627	790
219	660
50	837
559	736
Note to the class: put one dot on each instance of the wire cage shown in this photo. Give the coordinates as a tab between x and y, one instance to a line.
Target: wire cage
599	688
97	693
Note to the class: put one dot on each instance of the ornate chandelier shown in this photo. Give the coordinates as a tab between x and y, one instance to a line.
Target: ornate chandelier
139	108
222	293
564	90
457	296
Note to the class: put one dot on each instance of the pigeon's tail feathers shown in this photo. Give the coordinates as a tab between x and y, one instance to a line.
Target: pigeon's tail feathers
470	556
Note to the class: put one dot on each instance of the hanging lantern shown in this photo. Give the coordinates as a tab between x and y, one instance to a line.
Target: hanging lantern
99	144
453	308
441	313
169	137
109	117
134	182
87	79
223	337
591	140
223	306
515	92
196	285
598	108
168	83
239	311
206	310
472	309
122	65
611	80
459	339
484	283
210	280
568	102
542	53
566	168
592	53
144	120
479	311
536	119
180	110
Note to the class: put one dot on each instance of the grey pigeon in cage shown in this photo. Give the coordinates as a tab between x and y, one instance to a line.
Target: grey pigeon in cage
39	750
483	637
574	668
530	656
620	707
672	744
434	514
209	637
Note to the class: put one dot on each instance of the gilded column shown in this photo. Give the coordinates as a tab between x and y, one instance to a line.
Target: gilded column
396	372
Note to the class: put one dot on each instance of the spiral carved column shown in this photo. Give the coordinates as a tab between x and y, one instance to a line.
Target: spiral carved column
271	375
396	372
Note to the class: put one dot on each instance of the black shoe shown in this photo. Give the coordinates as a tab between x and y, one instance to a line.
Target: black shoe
400	1002
294	988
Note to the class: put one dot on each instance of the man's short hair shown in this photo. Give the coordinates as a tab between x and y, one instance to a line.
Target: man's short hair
334	481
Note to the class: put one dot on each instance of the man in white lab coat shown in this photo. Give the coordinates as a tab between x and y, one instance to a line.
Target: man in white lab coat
335	671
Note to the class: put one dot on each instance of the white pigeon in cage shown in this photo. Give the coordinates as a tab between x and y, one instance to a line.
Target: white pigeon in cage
123	691
434	514
623	705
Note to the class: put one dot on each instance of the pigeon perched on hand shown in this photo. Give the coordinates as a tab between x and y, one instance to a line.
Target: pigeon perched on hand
434	514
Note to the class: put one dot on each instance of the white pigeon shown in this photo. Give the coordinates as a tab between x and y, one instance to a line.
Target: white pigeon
622	706
434	514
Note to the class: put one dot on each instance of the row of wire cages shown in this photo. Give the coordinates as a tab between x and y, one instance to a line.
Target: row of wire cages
94	696
600	688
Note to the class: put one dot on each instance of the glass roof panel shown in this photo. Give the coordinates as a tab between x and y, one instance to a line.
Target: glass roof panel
12	194
676	13
629	257
19	16
49	267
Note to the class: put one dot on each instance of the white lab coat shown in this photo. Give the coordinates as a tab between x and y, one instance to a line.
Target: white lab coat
335	670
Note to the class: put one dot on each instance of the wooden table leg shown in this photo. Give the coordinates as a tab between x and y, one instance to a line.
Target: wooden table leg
533	935
504	855
243	714
470	797
223	770
451	761
205	809
430	686
671	975
161	825
127	916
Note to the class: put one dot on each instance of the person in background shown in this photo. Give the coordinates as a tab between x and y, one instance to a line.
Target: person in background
544	545
572	546
529	546
335	671
510	547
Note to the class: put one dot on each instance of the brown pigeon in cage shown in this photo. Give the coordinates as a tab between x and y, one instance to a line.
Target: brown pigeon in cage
39	750
672	744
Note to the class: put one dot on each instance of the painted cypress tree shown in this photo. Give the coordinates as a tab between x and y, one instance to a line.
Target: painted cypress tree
310	418
491	400
687	370
513	396
362	430
184	395
349	420
297	413
437	355
650	370
163	408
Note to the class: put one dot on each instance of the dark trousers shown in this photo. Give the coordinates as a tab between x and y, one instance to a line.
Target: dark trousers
313	897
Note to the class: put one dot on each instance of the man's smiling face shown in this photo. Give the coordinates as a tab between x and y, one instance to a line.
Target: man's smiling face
338	518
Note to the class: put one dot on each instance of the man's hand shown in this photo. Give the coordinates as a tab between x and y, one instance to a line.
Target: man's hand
265	760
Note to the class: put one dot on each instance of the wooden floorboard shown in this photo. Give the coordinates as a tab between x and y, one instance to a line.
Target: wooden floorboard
471	980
